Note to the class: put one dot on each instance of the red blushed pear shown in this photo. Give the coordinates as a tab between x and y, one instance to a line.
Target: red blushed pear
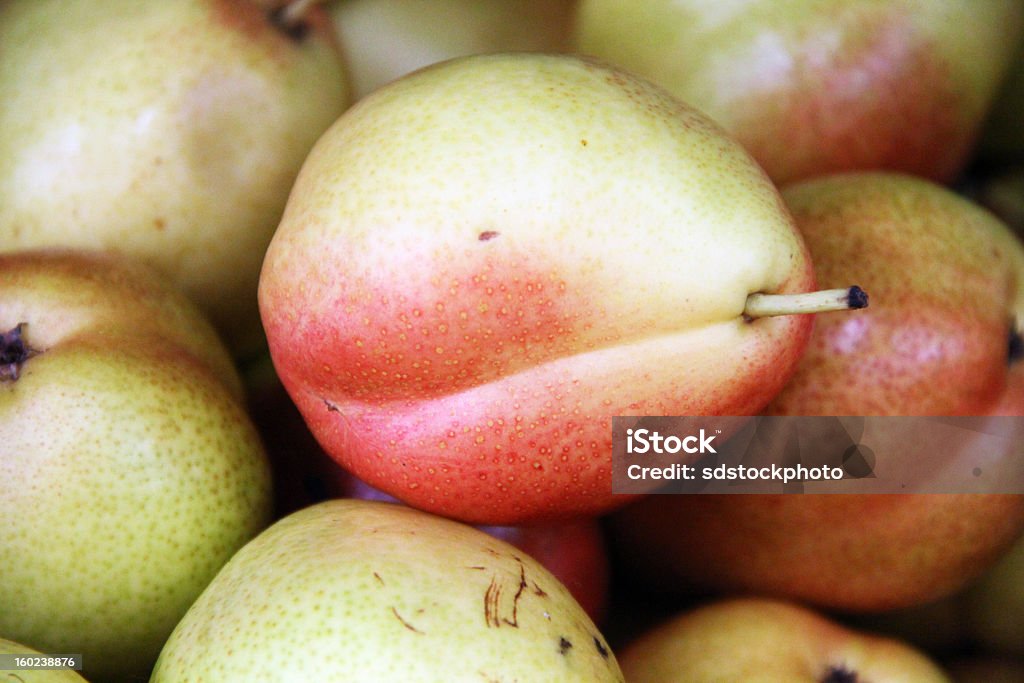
937	340
482	262
813	87
768	642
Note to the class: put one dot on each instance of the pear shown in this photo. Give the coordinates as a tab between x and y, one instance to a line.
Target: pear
130	471
8	647
168	131
948	273
484	261
766	641
385	39
812	87
355	590
938	340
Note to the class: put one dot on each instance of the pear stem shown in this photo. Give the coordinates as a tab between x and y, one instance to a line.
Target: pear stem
14	351
760	305
294	13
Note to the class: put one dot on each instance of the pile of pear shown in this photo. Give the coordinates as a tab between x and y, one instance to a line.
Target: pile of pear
456	242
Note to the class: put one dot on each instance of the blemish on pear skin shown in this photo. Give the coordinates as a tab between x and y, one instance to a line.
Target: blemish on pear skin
564	645
839	674
492	601
331	407
487	235
379	580
491	598
602	649
404	622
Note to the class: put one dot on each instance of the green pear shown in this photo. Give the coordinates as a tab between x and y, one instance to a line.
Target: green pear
763	641
817	86
170	131
484	261
385	39
129	469
355	590
8	647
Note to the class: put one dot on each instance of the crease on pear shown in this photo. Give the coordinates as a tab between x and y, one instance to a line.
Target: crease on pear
700	339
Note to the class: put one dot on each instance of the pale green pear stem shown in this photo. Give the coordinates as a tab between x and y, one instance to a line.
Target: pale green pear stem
760	305
294	13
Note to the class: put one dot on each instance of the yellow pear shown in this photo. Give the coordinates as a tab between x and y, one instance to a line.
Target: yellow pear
129	469
764	641
170	131
374	592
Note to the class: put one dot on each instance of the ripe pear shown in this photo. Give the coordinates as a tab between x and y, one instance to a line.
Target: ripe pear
813	87
483	262
944	273
946	280
385	39
8	647
130	471
169	131
355	590
765	641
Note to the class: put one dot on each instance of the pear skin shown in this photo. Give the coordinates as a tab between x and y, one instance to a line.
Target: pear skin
355	590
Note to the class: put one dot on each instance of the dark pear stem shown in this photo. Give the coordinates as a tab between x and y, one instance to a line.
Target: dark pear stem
1015	347
839	674
14	351
291	17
